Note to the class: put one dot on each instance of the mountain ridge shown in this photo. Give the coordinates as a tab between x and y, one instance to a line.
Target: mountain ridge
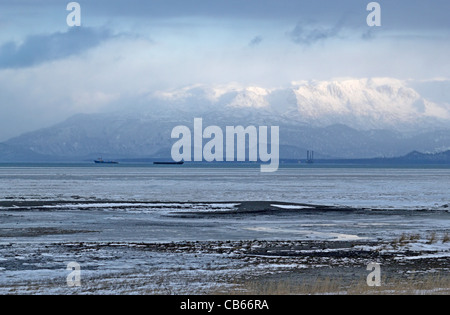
347	118
91	136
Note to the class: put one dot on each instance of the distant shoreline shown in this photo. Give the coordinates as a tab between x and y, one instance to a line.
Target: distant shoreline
412	159
284	164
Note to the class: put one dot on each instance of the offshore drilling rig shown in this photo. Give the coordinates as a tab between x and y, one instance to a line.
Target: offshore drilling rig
310	157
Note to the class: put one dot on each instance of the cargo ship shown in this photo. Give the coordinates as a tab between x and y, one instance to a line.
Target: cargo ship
101	161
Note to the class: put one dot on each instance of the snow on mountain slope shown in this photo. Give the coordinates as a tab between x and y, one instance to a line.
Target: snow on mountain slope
366	103
377	103
254	97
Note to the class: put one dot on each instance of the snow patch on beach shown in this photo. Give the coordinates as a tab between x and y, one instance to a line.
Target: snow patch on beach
412	250
129	206
308	233
291	207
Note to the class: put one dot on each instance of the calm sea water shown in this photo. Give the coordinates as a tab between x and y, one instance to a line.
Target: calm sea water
101	200
403	188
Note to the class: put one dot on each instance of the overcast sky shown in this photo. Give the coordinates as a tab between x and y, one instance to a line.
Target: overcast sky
125	50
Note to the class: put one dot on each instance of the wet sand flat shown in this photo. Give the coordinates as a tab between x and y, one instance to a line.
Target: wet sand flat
216	247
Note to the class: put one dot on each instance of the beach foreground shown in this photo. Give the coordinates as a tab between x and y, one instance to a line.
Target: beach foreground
150	230
412	264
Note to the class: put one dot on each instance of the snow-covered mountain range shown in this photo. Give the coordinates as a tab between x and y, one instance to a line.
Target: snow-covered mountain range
346	118
378	103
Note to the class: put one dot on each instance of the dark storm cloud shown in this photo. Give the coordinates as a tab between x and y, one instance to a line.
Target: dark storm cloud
256	41
421	14
37	49
399	13
307	34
